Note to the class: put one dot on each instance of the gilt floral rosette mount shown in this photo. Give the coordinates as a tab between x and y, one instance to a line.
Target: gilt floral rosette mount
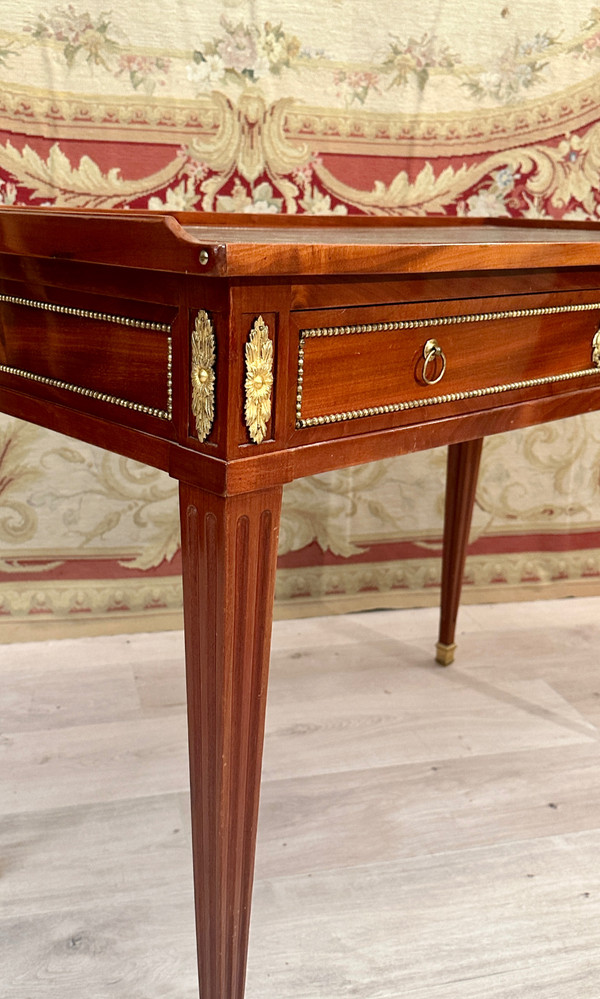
203	375
259	381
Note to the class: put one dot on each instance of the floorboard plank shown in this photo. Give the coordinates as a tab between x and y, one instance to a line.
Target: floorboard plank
424	833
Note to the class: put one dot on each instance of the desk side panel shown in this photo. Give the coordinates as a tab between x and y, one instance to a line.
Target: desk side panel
104	354
95	348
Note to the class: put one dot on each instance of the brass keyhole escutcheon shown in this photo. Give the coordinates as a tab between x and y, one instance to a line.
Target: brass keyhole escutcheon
431	352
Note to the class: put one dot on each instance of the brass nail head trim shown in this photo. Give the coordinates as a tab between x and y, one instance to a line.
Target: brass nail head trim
114	400
432	321
259	381
67	310
203	374
438	400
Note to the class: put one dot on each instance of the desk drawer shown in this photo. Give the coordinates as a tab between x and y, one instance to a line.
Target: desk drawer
416	356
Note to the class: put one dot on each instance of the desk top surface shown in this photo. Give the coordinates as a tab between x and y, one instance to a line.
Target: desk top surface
400	233
264	245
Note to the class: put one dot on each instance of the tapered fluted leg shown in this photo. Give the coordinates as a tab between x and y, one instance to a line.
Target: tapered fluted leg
229	556
461	483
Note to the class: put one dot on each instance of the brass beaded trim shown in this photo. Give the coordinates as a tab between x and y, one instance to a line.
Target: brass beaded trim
355	414
168	413
67	310
406	324
162	414
476	317
138	407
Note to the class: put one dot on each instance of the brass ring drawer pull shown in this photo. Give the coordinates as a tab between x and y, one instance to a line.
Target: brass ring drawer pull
431	351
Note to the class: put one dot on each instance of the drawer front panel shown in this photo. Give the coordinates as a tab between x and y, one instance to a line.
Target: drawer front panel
411	357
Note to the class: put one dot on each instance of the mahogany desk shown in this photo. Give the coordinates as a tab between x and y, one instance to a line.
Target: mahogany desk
238	353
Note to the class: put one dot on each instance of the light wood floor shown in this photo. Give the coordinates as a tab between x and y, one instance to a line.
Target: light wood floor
425	833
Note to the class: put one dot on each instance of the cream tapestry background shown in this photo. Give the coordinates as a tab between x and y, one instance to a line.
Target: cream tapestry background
483	108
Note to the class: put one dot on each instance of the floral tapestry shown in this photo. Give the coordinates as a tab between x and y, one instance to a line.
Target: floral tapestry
475	108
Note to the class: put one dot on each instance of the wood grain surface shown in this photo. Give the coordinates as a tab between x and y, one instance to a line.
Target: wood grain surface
242	276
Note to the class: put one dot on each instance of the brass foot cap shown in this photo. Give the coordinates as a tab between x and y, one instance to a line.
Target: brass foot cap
444	654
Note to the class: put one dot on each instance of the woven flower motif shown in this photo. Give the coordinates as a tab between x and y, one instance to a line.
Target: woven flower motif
259	380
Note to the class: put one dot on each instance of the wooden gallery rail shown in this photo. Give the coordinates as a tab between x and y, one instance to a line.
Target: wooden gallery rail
239	353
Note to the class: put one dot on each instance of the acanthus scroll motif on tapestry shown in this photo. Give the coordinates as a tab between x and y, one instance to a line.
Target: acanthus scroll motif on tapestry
246	116
252	166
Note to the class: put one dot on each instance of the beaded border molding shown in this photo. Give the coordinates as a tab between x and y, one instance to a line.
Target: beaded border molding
411	324
162	414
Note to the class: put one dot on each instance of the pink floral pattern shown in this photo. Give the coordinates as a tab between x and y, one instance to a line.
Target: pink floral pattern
144	72
518	68
416	58
80	34
244	53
